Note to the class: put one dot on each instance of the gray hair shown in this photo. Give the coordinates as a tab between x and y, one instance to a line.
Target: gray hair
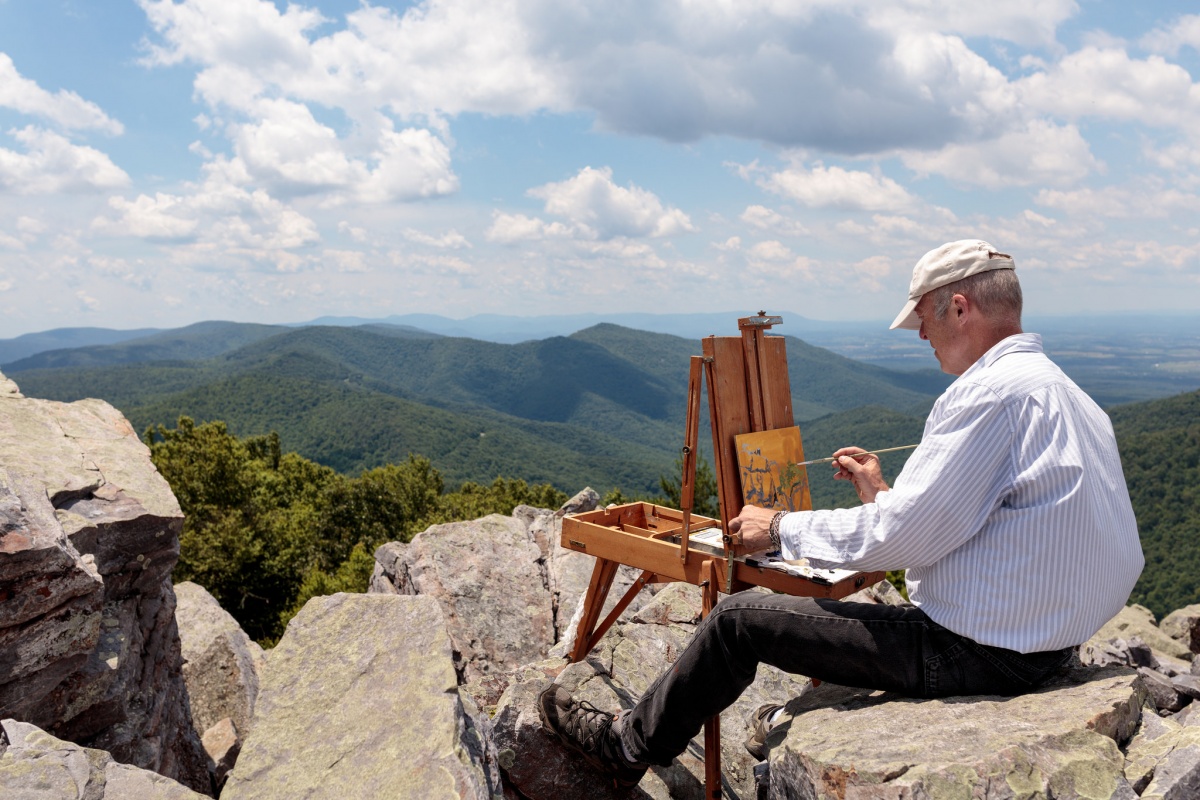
996	292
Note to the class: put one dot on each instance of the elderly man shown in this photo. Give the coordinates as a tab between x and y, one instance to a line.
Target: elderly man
1011	518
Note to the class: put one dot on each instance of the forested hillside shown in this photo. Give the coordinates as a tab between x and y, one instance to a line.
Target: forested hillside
1160	451
602	407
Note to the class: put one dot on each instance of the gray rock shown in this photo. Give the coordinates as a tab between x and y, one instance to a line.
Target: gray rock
488	578
37	766
1183	625
360	700
1135	620
586	500
616	673
1167	698
221	663
222	744
89	651
1058	742
1188	684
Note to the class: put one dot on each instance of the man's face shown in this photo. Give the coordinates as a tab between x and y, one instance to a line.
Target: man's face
949	342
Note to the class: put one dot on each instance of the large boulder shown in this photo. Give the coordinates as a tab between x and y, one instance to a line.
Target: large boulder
90	532
511	594
37	766
489	579
221	663
360	700
1061	742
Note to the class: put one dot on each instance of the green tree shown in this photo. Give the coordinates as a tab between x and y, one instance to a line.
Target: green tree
472	500
704	494
249	533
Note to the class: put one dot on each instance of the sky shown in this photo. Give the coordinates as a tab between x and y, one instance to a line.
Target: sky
169	161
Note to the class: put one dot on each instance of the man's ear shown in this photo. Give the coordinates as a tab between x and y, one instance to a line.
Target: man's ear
960	305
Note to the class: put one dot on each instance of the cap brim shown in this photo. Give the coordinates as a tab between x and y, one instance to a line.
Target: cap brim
908	318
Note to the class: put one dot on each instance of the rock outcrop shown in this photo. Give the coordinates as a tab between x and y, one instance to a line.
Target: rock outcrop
1059	742
221	663
37	766
488	578
89	533
360	700
510	594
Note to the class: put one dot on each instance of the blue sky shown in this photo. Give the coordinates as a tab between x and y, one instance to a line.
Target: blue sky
168	161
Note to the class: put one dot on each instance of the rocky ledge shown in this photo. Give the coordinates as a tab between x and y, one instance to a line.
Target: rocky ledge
89	533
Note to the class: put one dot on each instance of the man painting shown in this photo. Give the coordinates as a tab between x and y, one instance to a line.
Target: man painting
1011	518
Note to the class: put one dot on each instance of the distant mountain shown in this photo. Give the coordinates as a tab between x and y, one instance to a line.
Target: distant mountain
62	338
357	397
199	341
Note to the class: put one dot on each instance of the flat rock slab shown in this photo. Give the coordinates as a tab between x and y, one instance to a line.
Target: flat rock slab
1059	742
37	766
359	700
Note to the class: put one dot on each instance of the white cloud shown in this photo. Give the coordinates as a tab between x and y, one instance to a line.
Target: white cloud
1041	154
354	232
821	186
411	164
64	108
1147	199
346	260
52	164
1106	83
147	217
1184	31
766	219
510	228
678	71
770	250
451	239
598	208
86	301
221	215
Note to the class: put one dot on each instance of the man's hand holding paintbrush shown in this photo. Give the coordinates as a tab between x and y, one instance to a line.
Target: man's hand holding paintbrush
854	464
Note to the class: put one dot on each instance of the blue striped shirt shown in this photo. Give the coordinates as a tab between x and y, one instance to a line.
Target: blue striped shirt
1011	517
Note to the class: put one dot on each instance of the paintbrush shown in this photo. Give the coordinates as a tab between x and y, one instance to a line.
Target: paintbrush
856	455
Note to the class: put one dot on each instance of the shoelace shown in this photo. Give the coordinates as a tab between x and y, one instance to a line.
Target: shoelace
587	727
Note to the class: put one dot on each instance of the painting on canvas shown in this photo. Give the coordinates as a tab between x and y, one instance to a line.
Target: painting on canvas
767	463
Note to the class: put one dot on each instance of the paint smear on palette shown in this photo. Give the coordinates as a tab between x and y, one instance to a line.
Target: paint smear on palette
767	466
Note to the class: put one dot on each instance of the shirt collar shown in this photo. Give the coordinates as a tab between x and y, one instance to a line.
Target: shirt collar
1017	343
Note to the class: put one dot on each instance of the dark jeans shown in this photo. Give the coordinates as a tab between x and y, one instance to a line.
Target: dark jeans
894	648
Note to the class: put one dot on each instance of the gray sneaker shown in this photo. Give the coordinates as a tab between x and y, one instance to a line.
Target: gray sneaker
764	735
588	731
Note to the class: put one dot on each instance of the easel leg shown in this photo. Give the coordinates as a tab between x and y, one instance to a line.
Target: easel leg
602	578
712	726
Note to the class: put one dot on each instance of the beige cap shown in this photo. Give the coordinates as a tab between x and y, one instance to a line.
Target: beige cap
946	264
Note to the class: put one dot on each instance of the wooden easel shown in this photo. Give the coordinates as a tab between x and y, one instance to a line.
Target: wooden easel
748	391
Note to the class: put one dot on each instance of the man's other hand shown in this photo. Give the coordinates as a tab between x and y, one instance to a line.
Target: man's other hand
862	468
752	523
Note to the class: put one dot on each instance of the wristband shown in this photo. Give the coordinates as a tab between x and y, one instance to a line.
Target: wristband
773	530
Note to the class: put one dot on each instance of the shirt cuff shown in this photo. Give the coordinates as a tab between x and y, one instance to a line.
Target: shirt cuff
790	529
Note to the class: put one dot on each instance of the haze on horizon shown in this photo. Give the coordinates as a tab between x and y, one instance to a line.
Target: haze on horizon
169	161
